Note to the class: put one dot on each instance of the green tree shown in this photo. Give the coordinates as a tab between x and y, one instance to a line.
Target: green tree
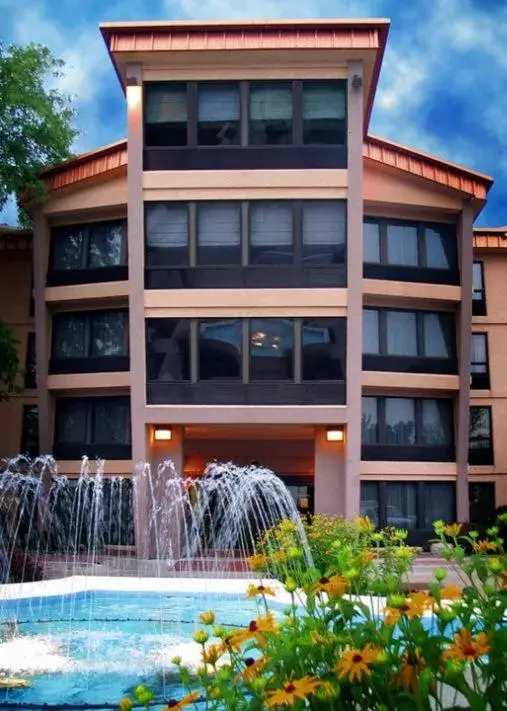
9	362
35	120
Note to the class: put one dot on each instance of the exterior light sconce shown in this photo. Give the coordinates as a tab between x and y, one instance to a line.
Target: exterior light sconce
335	434
357	82
133	92
162	434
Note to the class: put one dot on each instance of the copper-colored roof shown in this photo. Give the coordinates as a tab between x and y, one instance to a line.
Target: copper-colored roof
490	237
109	158
425	165
352	34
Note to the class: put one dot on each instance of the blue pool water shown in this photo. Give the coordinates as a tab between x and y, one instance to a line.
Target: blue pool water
93	648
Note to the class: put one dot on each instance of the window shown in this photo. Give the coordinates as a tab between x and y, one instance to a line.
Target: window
323	348
30	367
480	446
323	232
168	349
219	233
100	246
324	113
408	505
165	114
271	349
220	349
30	431
406	247
405	429
482	503
403	337
478	291
270	113
218	114
271	229
479	361
83	341
95	426
166	234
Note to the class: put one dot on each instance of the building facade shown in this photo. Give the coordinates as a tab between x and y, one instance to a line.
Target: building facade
251	276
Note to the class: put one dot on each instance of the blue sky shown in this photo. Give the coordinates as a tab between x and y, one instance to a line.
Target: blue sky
442	85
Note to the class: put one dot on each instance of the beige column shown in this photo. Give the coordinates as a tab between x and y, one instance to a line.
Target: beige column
354	285
135	214
42	330
464	329
329	474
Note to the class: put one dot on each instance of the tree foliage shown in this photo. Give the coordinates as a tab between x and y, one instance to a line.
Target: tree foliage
9	361
35	118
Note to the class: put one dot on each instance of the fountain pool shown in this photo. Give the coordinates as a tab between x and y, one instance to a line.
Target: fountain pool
87	643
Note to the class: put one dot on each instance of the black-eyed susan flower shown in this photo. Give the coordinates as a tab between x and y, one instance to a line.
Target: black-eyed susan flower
252	669
452	530
451	592
356	663
334	586
256	630
212	653
485	546
467	649
414	606
292	690
257	561
407	676
187	700
255	590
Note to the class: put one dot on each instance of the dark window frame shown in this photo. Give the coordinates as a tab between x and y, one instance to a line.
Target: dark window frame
418	363
481	381
382	450
86	274
420	273
89	363
76	450
25	446
31	362
482	456
421	529
479	306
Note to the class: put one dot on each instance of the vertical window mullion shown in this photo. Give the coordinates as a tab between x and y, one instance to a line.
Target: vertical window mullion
381	420
245	348
297	231
298	349
297	113
192	114
192	233
244	111
194	350
245	233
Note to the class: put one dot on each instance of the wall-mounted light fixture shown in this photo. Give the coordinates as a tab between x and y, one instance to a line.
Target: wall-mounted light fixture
133	91
162	434
335	434
357	81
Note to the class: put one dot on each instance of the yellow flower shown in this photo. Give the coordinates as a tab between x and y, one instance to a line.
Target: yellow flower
211	654
366	557
182	703
252	669
364	524
125	704
451	592
256	630
467	649
485	546
335	586
254	590
408	674
452	530
318	638
356	662
207	618
412	607
292	690
257	562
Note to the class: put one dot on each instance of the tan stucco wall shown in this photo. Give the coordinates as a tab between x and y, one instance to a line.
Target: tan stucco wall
92	195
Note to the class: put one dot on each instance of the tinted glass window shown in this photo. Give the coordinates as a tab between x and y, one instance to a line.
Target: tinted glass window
324	113
401	333
371	335
218	114
440	248
271	240
106	244
109	334
166	234
400	420
30	431
323	348
168	349
111	422
480	428
72	421
436	422
271	349
370	501
323	232
371	242
439	503
479	354
165	114
219	233
30	366
402	505
438	335
67	245
477	282
69	336
220	349
93	420
270	113
402	245
369	420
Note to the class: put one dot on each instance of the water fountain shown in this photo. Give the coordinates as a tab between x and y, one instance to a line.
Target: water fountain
103	617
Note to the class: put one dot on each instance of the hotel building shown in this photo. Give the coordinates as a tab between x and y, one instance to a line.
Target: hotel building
251	276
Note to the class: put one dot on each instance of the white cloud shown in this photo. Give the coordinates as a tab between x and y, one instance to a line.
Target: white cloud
270	9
